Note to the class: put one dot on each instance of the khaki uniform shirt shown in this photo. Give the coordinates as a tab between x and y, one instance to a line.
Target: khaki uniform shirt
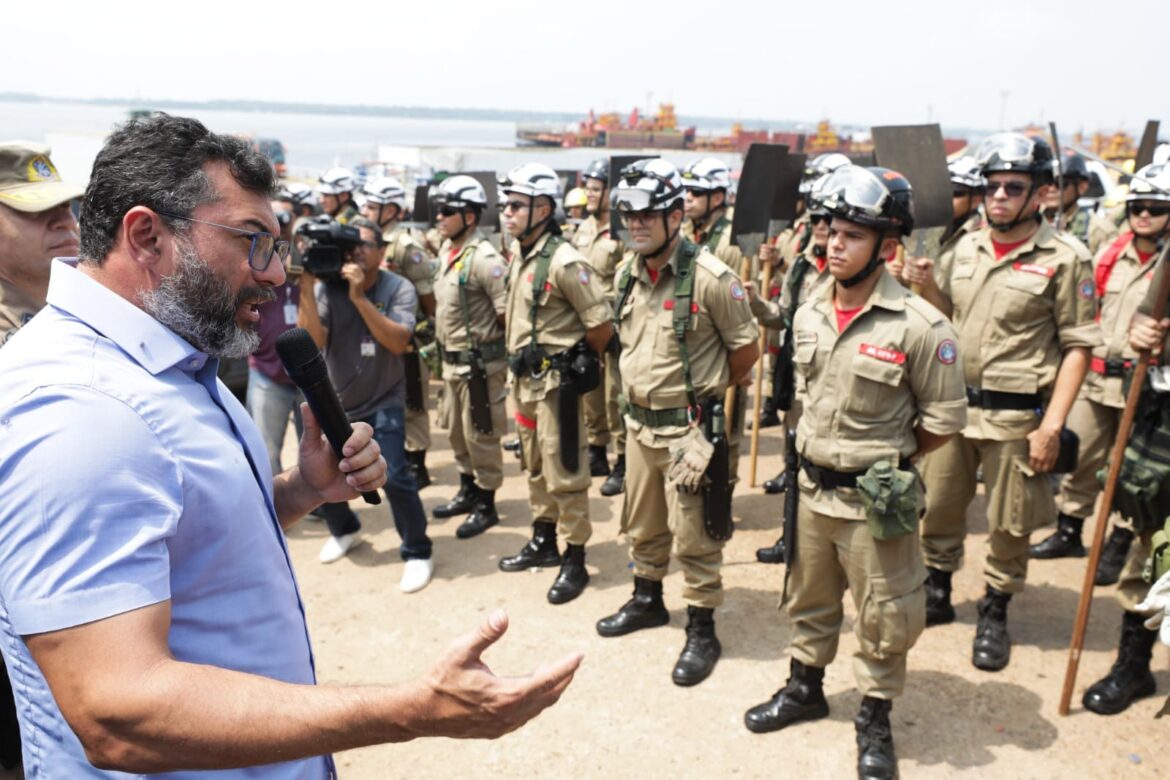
602	252
1016	317
772	314
406	256
946	252
572	302
16	309
487	292
1124	291
715	235
865	390
651	363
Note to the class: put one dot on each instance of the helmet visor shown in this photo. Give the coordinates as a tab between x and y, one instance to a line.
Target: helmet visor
630	199
852	190
1011	148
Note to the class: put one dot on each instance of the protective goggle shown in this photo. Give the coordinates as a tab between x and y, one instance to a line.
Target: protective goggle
642	190
633	199
1008	148
853	189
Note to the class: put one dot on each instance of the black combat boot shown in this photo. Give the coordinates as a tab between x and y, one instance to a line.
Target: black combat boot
417	460
875	743
769	418
572	578
463	502
541	550
616	482
776	485
1113	556
513	446
598	461
773	554
939	610
802	698
993	646
482	517
1064	543
702	650
1130	678
645	610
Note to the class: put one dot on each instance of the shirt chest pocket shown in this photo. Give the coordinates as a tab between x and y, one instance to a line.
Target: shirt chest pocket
962	288
1025	296
872	385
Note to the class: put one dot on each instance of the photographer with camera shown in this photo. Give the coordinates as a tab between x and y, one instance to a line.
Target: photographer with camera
362	317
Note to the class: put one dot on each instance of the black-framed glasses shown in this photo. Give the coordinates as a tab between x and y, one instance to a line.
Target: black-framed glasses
1013	189
448	211
264	245
1153	209
515	205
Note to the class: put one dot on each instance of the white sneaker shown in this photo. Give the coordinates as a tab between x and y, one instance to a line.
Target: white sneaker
337	546
416	574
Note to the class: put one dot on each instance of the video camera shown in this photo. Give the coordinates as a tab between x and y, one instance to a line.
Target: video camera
330	247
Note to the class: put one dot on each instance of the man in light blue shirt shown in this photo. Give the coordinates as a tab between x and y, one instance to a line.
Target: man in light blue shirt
149	616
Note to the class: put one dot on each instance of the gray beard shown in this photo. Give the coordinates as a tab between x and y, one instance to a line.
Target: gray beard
199	306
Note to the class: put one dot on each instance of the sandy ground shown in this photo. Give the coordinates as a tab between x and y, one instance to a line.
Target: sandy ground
622	716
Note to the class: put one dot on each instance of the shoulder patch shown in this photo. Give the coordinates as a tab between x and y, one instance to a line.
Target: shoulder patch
947	351
583	275
497	271
1087	289
737	291
416	256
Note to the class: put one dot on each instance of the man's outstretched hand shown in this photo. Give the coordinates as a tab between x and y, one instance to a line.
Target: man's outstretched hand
464	699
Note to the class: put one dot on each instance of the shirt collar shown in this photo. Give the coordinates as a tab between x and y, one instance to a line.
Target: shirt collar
1043	238
887	294
146	340
672	263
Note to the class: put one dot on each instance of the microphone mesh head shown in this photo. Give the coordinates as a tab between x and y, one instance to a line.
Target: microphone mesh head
299	354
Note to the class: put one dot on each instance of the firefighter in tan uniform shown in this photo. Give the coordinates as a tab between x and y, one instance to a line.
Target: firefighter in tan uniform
470	291
686	332
385	204
558	323
603	419
1022	298
335	191
1122	277
1092	229
880	382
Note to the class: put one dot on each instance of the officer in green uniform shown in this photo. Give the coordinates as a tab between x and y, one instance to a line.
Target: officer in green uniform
385	204
603	419
335	191
1089	227
880	383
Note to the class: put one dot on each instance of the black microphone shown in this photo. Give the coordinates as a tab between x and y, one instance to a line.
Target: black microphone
306	368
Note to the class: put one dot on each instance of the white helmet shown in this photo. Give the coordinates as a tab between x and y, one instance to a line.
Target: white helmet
385	191
533	179
335	181
814	203
1151	182
706	175
299	193
460	192
819	166
648	185
967	172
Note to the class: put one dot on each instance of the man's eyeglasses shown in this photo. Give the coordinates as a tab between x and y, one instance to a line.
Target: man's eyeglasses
447	211
515	205
1153	209
264	245
1013	189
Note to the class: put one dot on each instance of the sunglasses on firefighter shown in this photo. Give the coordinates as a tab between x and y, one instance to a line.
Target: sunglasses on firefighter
1153	209
515	205
1013	189
448	211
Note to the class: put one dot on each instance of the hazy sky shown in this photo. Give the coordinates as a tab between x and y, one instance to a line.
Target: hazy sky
864	62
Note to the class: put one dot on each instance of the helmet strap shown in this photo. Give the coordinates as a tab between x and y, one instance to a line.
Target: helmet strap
875	261
531	229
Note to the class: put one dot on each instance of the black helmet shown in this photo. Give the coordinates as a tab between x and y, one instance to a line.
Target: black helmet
598	169
1017	153
877	197
1072	166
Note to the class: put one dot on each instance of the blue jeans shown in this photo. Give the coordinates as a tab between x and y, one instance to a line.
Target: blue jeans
269	403
405	506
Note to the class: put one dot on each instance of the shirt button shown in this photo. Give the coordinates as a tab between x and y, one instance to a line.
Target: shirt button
193	364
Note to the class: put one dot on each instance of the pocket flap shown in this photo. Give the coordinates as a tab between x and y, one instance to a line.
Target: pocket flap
877	370
1032	282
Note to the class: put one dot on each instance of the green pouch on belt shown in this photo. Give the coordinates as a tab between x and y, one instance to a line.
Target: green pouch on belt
890	496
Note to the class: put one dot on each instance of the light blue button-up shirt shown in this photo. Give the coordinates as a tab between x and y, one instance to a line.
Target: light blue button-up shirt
129	476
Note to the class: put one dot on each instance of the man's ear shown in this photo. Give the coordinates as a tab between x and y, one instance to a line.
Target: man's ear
144	236
718	198
889	248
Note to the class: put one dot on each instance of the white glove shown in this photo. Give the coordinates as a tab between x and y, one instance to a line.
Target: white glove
689	455
1156	603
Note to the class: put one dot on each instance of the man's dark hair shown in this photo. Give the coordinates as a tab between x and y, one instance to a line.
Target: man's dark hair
158	162
368	224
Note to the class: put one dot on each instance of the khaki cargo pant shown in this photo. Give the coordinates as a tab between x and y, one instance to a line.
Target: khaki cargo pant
418	422
657	517
885	579
1018	502
556	495
603	419
1096	425
477	454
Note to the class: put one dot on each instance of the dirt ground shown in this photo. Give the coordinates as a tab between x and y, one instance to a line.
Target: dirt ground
622	716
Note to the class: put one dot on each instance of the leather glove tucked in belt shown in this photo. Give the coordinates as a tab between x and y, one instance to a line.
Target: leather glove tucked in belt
689	456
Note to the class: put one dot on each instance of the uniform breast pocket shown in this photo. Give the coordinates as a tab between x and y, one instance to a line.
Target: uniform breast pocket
1026	292
872	385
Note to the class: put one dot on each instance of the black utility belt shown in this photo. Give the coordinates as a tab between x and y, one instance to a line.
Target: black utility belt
831	479
488	352
994	399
